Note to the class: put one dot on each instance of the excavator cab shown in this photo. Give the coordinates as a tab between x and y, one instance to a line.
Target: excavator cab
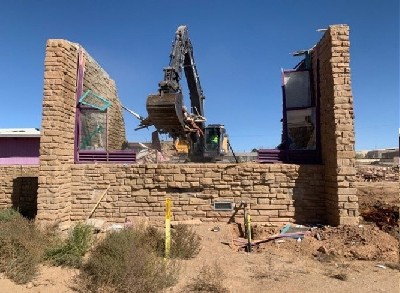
215	141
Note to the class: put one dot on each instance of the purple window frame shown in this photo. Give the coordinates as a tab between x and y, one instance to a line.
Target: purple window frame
87	156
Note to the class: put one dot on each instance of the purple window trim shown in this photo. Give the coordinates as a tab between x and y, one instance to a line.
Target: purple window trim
79	90
126	156
19	161
84	156
294	156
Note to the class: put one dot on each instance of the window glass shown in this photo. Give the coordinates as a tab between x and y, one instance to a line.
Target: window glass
297	88
301	129
93	129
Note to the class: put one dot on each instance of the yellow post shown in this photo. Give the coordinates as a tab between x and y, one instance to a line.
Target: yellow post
168	206
248	222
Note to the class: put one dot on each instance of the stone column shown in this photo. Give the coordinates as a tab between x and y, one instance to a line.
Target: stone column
57	132
332	82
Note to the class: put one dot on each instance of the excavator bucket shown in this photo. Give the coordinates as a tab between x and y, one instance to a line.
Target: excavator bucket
165	113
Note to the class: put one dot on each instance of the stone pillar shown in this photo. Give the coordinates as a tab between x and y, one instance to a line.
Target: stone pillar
330	59
57	132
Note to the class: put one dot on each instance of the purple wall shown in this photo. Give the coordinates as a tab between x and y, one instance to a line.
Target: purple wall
19	150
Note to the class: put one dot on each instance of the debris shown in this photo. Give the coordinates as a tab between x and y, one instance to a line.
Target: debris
98	224
215	229
296	235
381	266
341	276
115	227
386	217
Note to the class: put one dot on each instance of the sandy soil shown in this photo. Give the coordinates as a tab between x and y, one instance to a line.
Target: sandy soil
346	259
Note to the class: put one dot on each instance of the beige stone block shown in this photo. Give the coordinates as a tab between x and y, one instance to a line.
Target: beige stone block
269	207
259	219
273	213
351	205
286	214
263	201
349	221
281	220
206	181
179	177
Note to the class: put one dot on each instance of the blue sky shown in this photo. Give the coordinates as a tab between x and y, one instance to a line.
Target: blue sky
239	48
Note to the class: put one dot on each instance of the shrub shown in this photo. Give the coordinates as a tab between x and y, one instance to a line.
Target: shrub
185	242
22	246
209	279
128	261
7	215
71	251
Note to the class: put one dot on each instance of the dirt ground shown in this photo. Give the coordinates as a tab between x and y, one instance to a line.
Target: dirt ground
347	259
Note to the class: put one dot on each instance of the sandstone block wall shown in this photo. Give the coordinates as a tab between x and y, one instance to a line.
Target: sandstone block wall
57	131
332	82
58	124
275	193
99	82
18	188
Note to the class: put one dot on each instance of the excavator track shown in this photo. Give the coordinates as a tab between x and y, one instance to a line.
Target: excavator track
165	113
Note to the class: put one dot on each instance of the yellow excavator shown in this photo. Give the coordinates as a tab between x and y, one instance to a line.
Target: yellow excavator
167	113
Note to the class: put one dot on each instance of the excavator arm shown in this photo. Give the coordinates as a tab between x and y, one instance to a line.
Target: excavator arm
165	109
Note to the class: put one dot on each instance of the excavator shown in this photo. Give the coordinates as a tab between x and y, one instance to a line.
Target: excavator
167	113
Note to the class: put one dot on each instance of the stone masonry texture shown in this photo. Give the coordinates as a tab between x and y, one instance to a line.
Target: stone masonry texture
18	188
331	59
58	124
276	193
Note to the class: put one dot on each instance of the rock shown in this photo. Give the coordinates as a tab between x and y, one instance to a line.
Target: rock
323	249
98	224
29	285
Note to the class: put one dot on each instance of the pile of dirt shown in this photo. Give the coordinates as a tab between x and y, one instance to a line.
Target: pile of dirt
363	242
385	216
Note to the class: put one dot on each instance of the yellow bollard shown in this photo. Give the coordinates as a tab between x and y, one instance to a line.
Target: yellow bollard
168	206
248	222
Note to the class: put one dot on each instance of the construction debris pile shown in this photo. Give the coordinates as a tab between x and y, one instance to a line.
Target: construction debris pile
377	173
385	216
363	242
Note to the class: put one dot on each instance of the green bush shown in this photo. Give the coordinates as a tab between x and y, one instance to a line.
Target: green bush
71	251
128	262
22	246
185	242
7	215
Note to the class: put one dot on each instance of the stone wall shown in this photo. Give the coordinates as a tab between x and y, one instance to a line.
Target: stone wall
332	82
58	124
57	131
99	82
275	193
18	188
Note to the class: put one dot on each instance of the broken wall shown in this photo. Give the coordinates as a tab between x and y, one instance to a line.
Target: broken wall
331	68
57	147
275	193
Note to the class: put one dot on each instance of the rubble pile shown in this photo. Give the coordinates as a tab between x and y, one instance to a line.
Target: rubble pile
385	216
377	173
363	242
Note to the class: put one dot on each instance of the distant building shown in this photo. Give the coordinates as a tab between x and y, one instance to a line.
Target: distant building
383	154
19	146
